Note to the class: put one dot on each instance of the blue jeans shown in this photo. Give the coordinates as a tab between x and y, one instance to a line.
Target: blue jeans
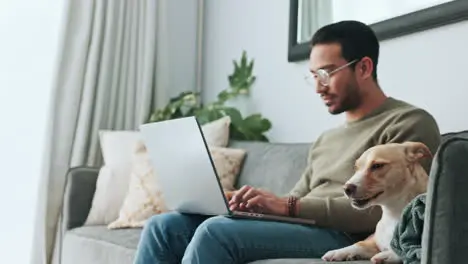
183	238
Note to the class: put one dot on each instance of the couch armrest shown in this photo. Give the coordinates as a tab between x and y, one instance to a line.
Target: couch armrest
445	235
78	197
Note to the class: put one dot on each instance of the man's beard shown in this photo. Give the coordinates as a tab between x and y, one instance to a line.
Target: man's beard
350	100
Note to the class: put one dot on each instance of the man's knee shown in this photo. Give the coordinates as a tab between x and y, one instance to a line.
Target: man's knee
162	223
215	228
216	222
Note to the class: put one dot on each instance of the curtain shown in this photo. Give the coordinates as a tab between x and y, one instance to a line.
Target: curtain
313	15
115	67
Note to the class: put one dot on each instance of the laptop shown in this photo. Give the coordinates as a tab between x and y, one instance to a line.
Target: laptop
178	150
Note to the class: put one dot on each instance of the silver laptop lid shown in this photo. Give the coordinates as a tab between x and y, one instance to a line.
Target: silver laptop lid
185	170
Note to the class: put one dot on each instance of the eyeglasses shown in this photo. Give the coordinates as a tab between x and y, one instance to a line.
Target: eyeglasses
323	76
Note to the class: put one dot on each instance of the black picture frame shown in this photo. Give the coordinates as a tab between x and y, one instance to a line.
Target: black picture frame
432	17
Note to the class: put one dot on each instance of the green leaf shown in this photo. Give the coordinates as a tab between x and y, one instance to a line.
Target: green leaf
223	95
263	138
235	134
257	123
250	67
236	116
207	115
244	59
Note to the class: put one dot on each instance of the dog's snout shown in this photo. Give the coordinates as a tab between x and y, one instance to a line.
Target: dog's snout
350	189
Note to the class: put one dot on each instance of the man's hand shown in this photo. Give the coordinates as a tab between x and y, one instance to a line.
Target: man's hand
260	201
229	194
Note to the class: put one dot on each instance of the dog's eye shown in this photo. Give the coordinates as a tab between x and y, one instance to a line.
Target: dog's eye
376	166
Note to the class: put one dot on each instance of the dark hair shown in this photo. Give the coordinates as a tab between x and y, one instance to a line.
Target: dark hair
357	40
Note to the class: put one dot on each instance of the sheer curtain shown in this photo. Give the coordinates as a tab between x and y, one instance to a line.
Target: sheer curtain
116	64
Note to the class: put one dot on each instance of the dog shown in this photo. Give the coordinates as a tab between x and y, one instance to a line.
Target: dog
390	176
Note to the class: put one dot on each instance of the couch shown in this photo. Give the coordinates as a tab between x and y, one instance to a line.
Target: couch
278	166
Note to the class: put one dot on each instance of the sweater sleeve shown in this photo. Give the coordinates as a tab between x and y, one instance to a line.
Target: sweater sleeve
337	213
302	187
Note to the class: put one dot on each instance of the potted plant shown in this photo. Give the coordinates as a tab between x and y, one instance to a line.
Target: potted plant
252	127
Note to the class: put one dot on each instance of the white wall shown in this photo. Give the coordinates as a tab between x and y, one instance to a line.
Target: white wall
413	68
29	33
381	9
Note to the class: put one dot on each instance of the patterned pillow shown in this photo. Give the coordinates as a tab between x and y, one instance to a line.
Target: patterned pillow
228	162
145	197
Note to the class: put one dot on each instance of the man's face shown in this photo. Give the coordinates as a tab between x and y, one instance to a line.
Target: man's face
342	93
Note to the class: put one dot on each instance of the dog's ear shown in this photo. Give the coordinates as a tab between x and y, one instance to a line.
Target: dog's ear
415	151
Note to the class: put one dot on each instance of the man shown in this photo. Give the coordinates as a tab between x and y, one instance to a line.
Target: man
343	61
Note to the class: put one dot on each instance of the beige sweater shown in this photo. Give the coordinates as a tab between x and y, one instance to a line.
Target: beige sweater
333	154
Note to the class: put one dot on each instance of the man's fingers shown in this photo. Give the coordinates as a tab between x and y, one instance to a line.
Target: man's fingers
246	198
262	191
249	195
255	202
233	207
237	197
229	194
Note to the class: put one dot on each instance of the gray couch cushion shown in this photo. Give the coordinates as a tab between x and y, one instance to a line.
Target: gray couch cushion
444	238
97	244
274	166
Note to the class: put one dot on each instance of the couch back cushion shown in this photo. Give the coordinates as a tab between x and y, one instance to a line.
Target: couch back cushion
273	166
445	211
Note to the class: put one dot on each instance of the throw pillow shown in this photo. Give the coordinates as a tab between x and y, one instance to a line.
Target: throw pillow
217	132
114	177
144	198
228	162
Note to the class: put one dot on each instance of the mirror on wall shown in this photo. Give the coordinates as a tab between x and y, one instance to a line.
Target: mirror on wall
388	18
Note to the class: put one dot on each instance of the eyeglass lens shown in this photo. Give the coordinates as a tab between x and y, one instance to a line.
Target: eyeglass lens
323	77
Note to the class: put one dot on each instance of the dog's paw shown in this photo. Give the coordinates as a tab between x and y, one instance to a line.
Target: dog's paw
352	252
339	255
385	257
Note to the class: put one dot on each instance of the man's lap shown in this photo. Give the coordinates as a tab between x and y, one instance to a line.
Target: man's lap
277	236
256	239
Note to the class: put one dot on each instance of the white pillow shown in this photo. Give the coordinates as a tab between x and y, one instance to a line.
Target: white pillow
113	181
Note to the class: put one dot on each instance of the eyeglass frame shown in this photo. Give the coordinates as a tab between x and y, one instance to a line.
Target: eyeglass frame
329	74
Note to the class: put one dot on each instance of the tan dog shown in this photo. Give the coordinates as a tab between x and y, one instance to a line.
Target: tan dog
389	176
